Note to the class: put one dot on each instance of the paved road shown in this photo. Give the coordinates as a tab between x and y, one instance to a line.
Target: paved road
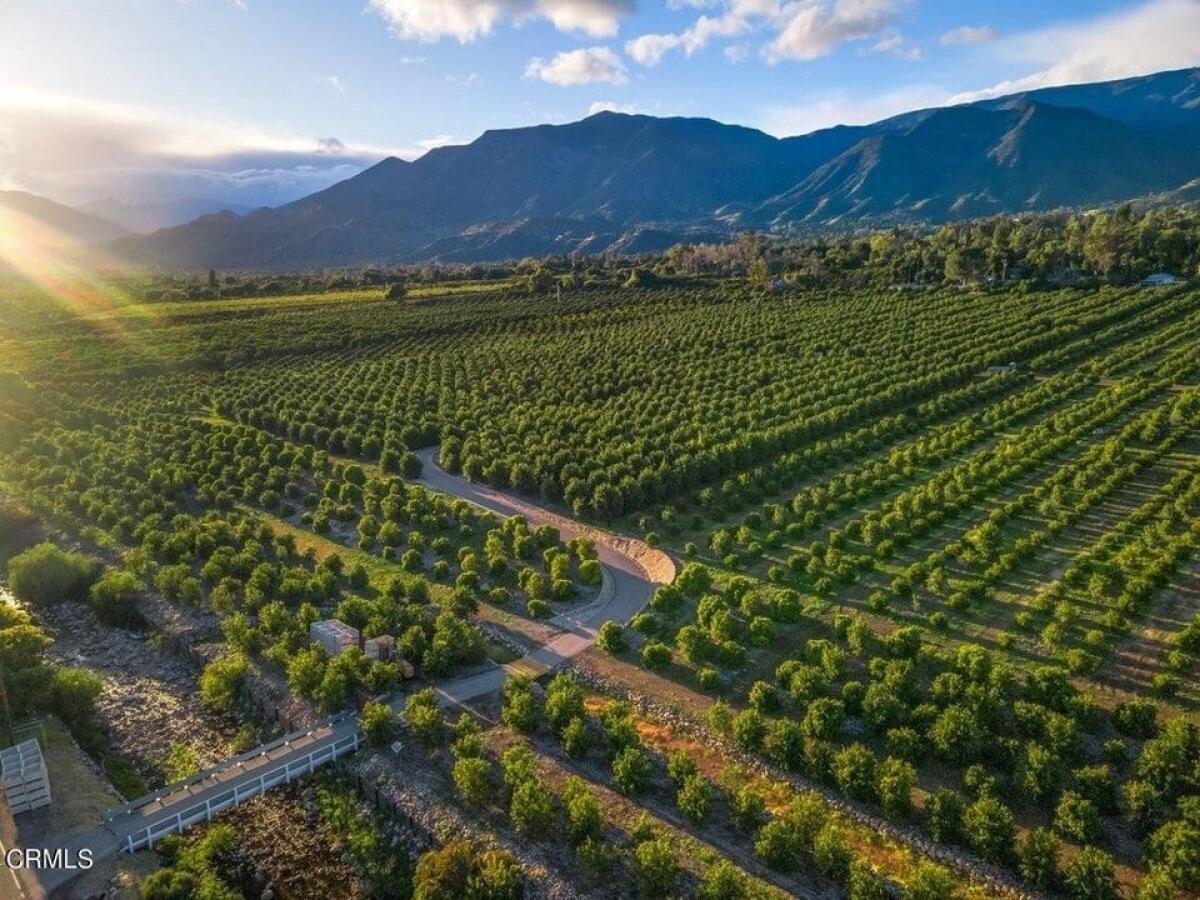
632	572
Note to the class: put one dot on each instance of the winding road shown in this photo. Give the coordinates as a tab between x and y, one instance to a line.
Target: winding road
632	571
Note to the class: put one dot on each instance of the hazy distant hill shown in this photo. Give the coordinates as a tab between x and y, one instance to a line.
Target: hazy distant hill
150	216
632	183
28	218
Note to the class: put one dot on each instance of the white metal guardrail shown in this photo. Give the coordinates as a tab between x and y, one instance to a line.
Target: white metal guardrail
204	811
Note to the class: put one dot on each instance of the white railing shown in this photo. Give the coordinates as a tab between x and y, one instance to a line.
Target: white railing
204	811
213	773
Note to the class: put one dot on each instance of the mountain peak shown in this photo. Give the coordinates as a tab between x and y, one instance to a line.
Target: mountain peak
589	184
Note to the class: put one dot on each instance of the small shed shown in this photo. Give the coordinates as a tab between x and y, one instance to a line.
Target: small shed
24	777
380	648
1160	279
334	635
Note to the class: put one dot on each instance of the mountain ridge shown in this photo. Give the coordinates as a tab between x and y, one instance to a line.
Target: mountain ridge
614	180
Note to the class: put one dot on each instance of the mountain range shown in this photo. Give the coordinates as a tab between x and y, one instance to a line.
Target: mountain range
635	183
37	220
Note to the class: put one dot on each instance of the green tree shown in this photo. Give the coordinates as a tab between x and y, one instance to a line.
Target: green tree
632	771
930	881
221	681
611	638
1038	858
424	718
585	819
656	868
943	815
1090	875
777	845
114	598
564	702
854	772
990	829
473	778
519	709
694	799
895	781
1076	818
723	881
531	809
378	723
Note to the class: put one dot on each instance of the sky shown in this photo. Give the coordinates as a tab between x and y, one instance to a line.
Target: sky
244	103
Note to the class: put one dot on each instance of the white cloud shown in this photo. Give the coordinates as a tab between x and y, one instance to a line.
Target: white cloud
737	53
968	34
814	29
649	49
469	20
737	19
438	140
599	18
798	29
75	150
612	106
1157	35
334	83
470	79
841	108
895	45
587	65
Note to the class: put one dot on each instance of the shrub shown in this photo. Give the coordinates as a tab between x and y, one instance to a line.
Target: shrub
1135	718
47	574
114	598
463	869
221	681
585	819
747	809
73	693
865	882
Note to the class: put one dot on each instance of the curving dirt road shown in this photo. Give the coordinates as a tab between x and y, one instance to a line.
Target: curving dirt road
632	572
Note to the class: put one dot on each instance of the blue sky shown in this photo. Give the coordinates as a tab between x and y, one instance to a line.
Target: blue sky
259	101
